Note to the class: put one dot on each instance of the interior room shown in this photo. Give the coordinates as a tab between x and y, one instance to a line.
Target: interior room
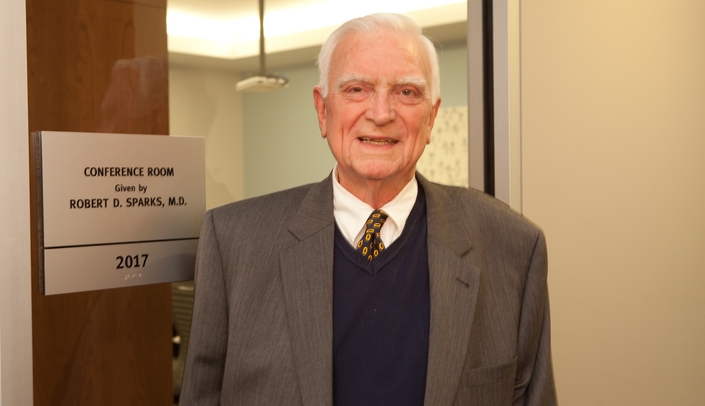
599	116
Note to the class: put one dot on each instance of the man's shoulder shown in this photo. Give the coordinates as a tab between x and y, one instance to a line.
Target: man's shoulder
475	198
478	208
268	204
452	195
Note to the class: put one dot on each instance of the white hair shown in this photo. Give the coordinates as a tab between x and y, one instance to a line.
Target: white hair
372	24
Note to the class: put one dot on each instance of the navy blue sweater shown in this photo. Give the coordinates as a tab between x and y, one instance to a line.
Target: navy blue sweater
381	312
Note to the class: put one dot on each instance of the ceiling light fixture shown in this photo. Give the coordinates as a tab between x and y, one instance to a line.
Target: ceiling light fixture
262	82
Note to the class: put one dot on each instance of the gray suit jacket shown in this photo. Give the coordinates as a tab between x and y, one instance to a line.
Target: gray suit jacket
262	321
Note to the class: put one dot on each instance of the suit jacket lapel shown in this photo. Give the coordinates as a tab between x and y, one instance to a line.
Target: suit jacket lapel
454	285
307	275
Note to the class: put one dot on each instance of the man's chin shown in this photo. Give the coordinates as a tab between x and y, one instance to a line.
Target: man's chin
384	173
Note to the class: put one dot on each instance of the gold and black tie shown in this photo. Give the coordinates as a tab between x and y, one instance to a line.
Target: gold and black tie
371	244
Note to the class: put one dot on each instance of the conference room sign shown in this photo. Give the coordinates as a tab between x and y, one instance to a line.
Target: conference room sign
117	210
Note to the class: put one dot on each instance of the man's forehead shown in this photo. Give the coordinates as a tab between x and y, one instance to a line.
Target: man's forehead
356	50
359	42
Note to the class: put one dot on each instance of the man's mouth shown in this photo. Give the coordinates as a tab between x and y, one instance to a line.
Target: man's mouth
378	142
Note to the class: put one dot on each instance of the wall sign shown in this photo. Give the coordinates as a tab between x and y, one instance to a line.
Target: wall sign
117	210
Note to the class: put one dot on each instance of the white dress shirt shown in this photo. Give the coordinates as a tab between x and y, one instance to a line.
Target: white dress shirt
351	213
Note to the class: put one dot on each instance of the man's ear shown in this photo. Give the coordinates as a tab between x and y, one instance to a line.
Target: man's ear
320	103
432	119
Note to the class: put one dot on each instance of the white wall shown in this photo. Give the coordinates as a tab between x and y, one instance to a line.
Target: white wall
613	129
283	145
203	102
15	277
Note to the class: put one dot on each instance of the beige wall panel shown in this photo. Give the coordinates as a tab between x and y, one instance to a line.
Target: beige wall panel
613	100
15	267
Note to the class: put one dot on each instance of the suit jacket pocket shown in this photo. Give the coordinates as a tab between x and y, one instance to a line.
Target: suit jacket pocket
488	386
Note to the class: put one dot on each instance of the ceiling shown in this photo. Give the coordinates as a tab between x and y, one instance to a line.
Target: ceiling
224	33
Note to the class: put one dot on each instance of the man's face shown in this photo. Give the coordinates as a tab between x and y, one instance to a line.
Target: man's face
378	114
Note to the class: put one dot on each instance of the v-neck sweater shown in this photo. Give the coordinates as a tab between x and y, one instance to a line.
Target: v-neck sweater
381	313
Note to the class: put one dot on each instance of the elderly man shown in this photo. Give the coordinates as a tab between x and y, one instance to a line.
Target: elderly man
374	286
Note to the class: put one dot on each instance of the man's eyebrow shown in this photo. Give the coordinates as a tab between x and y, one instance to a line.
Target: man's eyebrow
416	81
345	80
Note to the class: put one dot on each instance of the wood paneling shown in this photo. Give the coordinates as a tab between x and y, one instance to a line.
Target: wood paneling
109	347
74	45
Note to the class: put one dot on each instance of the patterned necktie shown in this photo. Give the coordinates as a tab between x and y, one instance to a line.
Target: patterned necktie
370	244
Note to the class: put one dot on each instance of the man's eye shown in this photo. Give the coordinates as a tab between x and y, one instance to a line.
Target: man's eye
356	89
407	92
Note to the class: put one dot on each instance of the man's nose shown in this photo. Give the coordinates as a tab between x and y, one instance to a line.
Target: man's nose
382	108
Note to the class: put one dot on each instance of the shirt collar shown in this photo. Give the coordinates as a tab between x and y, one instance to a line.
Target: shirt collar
351	213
